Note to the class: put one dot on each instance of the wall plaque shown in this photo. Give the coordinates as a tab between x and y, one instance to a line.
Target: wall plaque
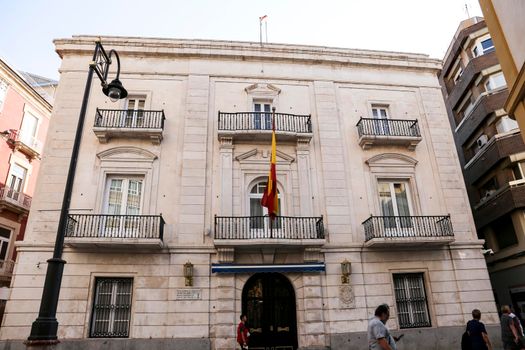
189	294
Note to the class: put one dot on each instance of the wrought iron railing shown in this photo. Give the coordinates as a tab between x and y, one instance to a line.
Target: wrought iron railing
407	227
263	121
115	226
133	119
388	127
25	138
14	197
262	227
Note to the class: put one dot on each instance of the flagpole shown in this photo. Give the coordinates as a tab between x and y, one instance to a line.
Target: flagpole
273	132
266	30
260	31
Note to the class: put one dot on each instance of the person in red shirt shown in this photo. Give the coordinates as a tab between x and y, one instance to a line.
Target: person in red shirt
243	335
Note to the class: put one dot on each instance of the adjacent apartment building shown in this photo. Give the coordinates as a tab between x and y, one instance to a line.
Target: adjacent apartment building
168	244
491	152
24	120
505	22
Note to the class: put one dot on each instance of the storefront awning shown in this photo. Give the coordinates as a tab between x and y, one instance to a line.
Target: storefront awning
243	268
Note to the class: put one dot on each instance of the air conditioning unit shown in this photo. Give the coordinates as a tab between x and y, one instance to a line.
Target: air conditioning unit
482	140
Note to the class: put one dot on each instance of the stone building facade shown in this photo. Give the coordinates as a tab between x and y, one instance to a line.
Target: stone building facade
168	244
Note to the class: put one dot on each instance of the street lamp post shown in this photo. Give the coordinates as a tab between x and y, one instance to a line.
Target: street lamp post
44	328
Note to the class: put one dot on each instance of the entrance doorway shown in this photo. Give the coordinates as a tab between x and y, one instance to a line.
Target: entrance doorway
268	299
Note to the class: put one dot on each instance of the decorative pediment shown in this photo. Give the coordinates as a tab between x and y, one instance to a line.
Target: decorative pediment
127	154
258	156
391	160
263	90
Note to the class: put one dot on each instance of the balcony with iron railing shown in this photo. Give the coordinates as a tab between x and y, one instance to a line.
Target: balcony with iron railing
408	230
123	123
25	142
17	202
375	131
261	230
258	126
115	231
499	203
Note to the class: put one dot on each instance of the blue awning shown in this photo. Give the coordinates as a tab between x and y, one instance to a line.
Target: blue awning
243	268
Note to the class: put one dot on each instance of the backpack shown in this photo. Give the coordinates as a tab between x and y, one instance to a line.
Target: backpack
466	343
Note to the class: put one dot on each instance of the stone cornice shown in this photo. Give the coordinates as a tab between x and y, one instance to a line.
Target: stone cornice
252	51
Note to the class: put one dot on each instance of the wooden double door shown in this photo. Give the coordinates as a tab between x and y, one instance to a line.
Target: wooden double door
268	300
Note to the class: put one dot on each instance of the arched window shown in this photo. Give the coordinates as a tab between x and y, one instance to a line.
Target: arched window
255	196
257	211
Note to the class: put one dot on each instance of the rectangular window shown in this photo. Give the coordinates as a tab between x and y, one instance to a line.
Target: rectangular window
3	92
495	81
122	203
487	45
380	113
475	52
483	47
123	195
458	75
505	124
134	116
504	232
488	188
393	197
15	181
411	300
28	129
517	170
5	235
263	115
111	308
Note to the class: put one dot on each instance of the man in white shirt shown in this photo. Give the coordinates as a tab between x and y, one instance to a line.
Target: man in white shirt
379	337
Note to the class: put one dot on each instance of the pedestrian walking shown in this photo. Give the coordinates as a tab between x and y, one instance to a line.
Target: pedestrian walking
478	338
243	334
509	332
379	337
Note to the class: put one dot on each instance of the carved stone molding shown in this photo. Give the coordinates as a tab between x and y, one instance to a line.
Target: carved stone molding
226	142
346	297
312	254
226	255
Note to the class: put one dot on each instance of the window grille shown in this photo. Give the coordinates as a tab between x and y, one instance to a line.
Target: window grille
111	308
411	300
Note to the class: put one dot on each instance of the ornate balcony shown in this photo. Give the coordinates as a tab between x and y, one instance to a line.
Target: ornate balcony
115	231
15	201
25	143
258	126
123	123
408	230
258	230
374	131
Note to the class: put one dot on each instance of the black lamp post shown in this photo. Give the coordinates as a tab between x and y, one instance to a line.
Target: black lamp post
44	329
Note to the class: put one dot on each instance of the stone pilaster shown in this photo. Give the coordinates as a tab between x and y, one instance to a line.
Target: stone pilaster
303	170
226	159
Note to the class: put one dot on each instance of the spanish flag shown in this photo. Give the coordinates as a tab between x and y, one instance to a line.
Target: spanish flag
270	199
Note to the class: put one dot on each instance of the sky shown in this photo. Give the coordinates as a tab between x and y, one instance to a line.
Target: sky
422	26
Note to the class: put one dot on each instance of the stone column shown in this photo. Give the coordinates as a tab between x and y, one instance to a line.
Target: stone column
226	171
313	328
193	175
223	323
